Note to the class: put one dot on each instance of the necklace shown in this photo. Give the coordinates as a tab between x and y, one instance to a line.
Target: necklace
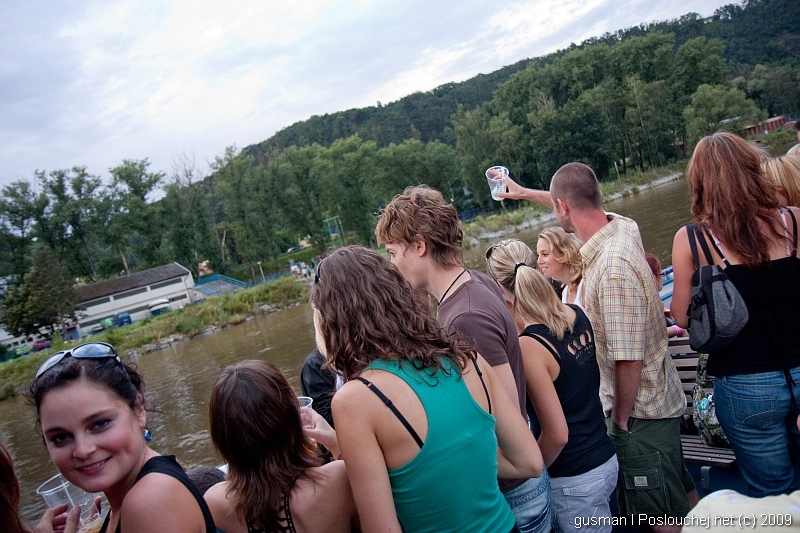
451	286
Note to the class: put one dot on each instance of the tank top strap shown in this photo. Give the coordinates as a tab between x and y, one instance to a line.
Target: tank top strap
371	386
537	337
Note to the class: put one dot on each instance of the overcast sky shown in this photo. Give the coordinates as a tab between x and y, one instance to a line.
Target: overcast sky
92	83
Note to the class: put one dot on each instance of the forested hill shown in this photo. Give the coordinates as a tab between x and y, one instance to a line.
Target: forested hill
425	116
757	31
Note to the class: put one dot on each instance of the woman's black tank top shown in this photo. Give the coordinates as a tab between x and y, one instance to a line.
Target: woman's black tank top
770	341
166	464
577	387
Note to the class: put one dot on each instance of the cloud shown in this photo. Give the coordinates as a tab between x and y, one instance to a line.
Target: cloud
95	82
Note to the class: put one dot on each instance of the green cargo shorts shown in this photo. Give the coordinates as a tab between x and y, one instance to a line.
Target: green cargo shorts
653	479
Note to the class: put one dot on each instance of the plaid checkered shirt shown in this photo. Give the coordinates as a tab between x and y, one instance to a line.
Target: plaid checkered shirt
627	315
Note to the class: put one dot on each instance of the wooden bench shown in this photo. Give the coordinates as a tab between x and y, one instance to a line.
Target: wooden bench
685	360
696	454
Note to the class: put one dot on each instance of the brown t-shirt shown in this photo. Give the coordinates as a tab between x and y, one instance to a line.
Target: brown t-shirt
478	313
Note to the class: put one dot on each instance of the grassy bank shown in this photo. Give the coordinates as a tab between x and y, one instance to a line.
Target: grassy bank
152	333
528	214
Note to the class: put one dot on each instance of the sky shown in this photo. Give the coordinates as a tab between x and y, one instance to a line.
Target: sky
91	83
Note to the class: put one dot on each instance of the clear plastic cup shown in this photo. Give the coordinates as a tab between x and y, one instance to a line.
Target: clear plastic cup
304	402
497	181
58	491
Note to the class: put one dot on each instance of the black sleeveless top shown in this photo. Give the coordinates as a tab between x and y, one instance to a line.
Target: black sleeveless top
578	390
166	464
287	514
770	341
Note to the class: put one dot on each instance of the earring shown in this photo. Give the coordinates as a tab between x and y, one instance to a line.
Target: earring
147	435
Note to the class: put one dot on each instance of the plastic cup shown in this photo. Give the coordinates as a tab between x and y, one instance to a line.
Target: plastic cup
497	181
304	402
58	491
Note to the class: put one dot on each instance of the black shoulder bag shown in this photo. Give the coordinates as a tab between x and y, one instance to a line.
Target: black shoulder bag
717	312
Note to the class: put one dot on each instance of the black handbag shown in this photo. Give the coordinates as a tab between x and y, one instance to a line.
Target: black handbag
717	312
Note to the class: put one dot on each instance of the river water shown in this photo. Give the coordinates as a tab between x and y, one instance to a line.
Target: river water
179	378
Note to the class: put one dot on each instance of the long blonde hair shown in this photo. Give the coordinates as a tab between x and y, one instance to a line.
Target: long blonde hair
565	248
784	172
511	263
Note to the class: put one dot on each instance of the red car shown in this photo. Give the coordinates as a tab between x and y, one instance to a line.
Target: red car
41	344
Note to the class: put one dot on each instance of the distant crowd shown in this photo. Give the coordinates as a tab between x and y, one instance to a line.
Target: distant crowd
540	395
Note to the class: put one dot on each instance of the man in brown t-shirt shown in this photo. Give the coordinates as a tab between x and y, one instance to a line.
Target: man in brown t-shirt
423	237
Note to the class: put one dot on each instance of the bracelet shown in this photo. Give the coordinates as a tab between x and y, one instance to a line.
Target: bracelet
677	331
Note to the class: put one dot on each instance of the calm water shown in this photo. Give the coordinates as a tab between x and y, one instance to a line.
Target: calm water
179	379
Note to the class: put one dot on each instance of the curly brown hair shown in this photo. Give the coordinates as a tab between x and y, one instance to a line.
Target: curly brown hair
423	213
730	193
367	311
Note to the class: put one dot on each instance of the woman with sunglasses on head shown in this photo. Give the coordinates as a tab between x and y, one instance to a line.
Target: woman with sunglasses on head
563	382
420	416
276	480
90	408
560	259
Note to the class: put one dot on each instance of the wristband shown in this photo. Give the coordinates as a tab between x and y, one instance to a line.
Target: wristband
677	331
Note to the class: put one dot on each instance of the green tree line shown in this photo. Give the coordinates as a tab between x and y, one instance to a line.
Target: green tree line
635	99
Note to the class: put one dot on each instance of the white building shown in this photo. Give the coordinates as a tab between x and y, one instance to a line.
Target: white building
133	294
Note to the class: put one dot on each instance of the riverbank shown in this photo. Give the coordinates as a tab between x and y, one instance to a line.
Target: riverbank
163	331
497	226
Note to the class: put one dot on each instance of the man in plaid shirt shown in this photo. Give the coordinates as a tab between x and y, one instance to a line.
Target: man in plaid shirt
639	386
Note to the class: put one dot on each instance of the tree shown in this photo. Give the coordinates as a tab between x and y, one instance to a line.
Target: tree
698	62
45	299
576	132
718	107
187	215
134	225
17	227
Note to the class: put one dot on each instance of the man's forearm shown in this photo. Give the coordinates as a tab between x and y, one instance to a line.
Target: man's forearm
542	198
627	376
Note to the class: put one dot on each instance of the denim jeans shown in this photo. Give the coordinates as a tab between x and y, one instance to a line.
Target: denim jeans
582	501
754	411
531	504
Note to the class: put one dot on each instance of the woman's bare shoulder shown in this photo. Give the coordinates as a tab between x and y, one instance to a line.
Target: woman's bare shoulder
159	502
323	500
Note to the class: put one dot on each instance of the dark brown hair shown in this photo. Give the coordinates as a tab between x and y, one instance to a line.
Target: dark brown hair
577	184
422	213
731	194
256	429
369	311
9	495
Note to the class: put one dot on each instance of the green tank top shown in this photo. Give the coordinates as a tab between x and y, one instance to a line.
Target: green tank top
451	484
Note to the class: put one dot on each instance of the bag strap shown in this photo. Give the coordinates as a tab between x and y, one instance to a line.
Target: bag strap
691	232
371	386
715	244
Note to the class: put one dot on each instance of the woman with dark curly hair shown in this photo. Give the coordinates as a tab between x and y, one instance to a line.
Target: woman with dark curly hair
421	415
276	481
755	241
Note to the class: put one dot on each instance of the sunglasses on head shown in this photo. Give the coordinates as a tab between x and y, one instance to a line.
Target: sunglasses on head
498	244
318	272
89	350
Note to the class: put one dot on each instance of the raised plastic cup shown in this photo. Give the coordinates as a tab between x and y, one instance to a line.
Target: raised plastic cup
304	402
497	181
58	491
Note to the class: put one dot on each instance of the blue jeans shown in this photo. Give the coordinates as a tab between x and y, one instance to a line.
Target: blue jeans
754	411
530	503
581	501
